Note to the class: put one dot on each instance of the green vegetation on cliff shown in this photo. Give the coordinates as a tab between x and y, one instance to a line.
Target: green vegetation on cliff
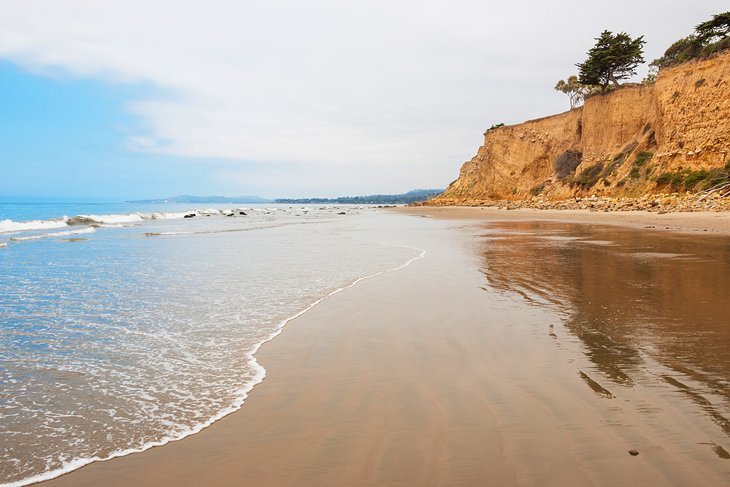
614	57
708	38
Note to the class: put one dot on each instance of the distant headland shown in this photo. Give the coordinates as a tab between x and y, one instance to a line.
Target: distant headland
413	196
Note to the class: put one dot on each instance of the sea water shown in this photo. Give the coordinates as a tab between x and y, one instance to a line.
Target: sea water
123	327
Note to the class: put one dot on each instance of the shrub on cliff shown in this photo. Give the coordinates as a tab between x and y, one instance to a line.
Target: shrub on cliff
680	51
588	176
614	57
537	189
576	91
708	38
638	165
619	158
567	163
688	180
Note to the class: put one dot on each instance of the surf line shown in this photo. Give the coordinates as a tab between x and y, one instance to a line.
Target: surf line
241	394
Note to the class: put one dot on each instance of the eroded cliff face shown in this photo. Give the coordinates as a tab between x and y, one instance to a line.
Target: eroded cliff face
627	139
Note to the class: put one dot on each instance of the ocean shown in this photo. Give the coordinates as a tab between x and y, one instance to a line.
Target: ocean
126	326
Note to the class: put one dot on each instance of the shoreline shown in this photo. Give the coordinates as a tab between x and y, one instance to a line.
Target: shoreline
685	222
236	405
410	377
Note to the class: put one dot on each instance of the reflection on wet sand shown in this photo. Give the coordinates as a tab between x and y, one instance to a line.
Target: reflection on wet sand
647	308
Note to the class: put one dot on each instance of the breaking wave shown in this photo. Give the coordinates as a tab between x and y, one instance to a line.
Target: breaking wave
11	226
54	234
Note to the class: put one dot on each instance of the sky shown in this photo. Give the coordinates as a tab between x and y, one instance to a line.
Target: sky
115	100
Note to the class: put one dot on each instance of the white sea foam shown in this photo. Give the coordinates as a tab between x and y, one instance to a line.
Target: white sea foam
239	398
140	216
170	215
110	220
54	234
117	225
10	226
124	218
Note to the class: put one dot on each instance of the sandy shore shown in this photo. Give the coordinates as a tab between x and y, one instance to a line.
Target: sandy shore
701	221
420	377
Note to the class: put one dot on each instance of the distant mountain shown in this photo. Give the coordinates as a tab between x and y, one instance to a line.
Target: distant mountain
206	199
376	199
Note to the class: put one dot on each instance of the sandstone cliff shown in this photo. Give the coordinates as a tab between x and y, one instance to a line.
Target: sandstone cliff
635	140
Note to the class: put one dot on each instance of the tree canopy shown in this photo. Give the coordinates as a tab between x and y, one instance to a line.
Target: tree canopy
575	90
708	38
614	57
715	29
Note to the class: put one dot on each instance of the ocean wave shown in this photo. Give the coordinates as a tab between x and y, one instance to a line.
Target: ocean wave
111	220
240	396
171	215
10	226
54	234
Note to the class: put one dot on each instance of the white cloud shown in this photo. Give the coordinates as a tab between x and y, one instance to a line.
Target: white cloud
379	95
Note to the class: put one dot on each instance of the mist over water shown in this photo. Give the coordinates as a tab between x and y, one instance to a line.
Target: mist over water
131	334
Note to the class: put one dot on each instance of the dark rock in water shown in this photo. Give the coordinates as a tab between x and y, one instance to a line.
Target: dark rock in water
242	213
342	213
81	220
230	214
189	215
633	453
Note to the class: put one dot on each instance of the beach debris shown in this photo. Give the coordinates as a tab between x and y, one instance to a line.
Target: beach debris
342	213
633	453
242	213
189	215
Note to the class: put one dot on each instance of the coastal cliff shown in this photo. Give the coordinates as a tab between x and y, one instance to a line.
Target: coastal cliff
636	140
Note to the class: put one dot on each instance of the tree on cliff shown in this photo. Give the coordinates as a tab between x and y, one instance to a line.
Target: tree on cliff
614	57
575	90
715	29
708	38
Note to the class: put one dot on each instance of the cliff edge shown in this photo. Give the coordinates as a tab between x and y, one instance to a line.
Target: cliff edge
673	134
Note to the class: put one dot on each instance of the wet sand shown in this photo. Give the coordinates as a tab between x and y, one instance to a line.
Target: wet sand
704	221
500	358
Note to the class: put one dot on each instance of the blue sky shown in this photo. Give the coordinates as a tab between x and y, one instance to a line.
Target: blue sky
115	100
65	138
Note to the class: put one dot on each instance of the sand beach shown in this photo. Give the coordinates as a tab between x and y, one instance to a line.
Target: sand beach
461	369
364	244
